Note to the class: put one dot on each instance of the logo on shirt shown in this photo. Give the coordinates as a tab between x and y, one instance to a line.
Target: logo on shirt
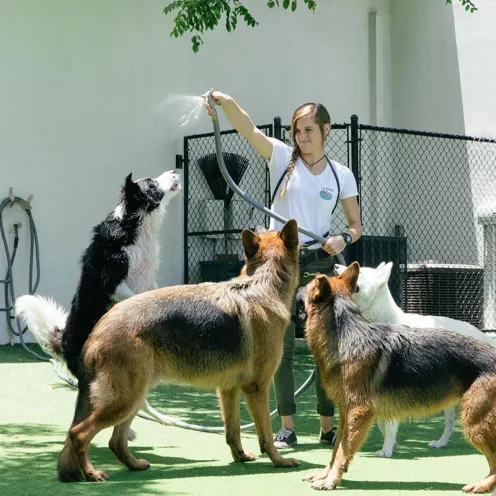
325	194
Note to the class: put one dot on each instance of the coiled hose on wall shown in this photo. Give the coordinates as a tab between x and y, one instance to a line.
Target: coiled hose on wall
34	253
34	258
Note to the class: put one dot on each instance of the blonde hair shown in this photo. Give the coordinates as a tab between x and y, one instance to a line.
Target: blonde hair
321	117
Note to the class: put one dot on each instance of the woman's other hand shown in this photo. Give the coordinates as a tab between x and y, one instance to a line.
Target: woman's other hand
334	245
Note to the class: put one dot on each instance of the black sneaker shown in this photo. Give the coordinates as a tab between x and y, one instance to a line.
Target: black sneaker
285	439
328	437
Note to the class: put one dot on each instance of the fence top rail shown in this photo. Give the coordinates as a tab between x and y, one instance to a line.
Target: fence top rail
228	131
366	127
287	127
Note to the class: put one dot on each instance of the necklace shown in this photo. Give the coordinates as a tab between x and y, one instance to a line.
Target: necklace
311	165
325	190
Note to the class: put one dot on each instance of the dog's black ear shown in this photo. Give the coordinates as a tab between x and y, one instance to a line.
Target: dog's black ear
289	234
350	276
319	289
130	188
129	184
251	243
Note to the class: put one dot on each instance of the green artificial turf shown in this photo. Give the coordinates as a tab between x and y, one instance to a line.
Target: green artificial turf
36	408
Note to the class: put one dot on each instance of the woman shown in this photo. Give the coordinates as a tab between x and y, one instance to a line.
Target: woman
307	188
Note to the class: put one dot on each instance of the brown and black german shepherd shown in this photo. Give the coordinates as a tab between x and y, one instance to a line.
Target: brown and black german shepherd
393	371
226	336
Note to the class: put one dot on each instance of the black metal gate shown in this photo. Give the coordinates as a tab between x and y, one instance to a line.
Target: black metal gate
428	204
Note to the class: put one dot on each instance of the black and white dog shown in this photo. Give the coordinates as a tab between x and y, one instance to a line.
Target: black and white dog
121	260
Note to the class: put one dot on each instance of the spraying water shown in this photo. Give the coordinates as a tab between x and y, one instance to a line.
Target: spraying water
187	107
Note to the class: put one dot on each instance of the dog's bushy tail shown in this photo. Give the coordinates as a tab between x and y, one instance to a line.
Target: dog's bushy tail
46	319
68	466
69	469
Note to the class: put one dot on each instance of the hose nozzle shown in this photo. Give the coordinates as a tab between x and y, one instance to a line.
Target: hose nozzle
211	101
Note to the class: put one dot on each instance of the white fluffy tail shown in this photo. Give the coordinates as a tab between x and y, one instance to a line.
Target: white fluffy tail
44	317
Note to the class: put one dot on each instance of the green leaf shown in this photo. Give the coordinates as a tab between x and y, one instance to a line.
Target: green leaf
311	4
172	6
196	41
285	4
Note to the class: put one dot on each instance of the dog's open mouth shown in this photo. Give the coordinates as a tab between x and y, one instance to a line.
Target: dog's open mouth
175	187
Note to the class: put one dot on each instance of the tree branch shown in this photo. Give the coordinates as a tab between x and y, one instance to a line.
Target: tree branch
198	16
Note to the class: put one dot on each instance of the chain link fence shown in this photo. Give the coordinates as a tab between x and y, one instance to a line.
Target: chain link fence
428	204
438	192
215	217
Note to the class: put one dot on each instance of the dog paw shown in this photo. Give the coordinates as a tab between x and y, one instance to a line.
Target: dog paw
245	456
437	444
325	485
139	465
131	435
97	476
286	462
316	476
469	488
477	488
384	453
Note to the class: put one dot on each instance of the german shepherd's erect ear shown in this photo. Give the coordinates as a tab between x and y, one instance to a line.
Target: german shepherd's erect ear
251	243
350	277
319	289
289	234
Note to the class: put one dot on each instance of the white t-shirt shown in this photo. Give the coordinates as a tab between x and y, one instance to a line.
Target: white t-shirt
309	199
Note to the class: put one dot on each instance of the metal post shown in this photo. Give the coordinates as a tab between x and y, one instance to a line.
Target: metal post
186	193
277	128
355	151
355	249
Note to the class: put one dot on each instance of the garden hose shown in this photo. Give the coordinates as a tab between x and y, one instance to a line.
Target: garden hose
220	158
165	419
9	278
8	282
